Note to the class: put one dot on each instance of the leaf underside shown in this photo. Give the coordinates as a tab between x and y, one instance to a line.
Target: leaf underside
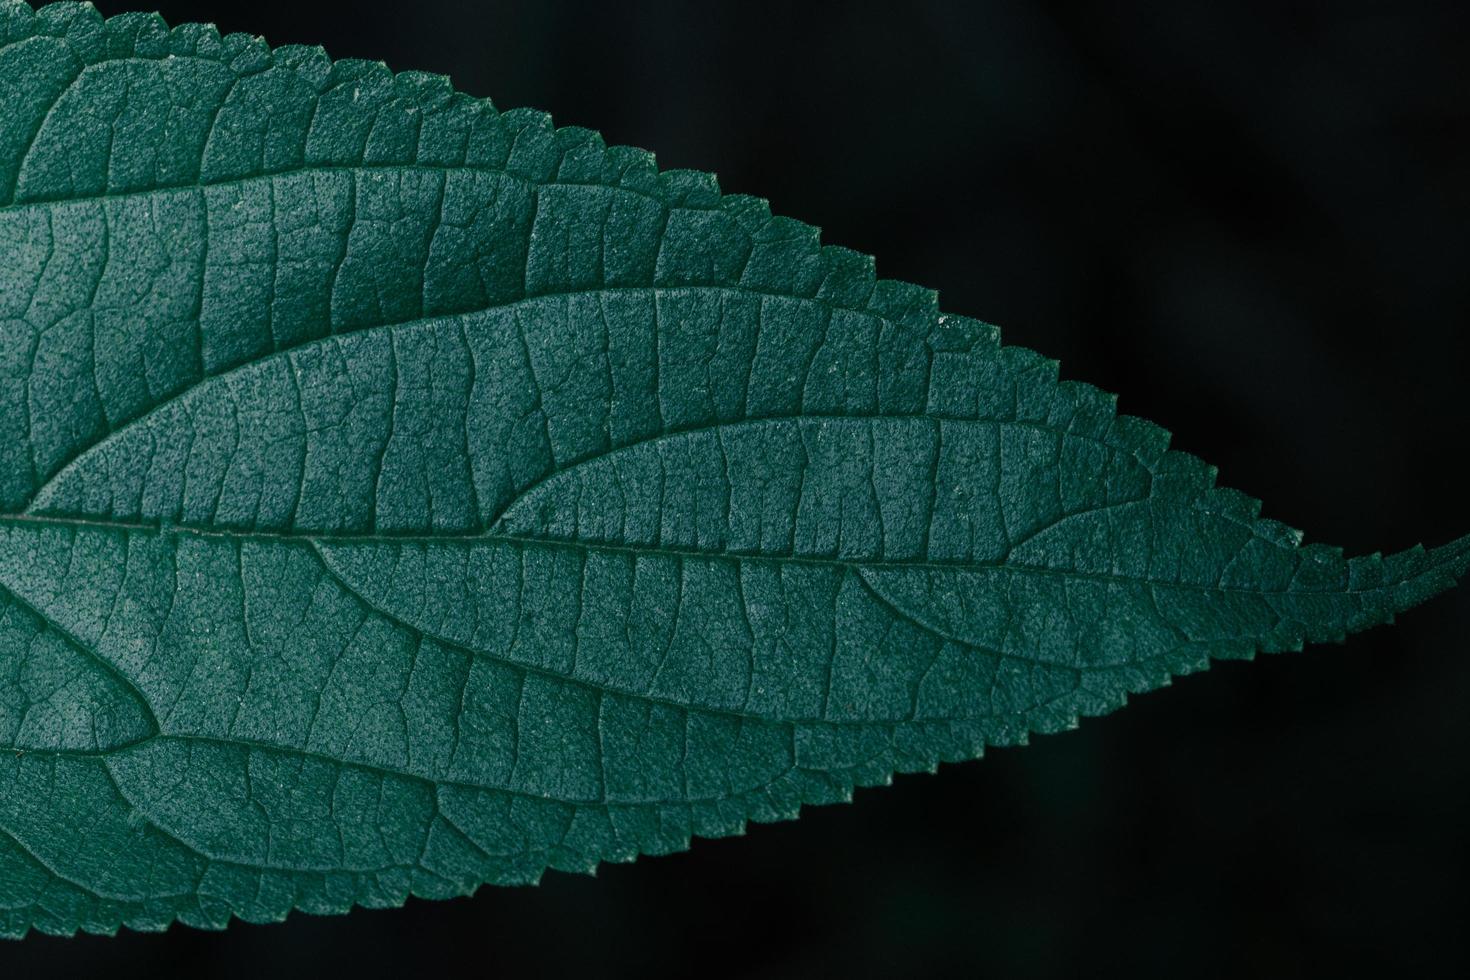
401	495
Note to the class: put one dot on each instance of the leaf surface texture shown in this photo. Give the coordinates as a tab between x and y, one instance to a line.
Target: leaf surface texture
402	495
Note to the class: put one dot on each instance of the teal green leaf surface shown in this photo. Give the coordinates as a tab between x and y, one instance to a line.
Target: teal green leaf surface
400	495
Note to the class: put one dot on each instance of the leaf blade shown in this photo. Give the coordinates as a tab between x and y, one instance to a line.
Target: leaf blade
336	323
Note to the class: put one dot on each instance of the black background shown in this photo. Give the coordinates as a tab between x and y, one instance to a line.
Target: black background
1252	221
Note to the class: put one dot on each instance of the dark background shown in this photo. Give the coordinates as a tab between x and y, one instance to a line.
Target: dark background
1253	221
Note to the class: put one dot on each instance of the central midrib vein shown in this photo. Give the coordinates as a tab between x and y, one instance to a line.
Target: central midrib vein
67	522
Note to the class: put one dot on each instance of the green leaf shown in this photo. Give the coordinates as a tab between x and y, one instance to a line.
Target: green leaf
401	495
